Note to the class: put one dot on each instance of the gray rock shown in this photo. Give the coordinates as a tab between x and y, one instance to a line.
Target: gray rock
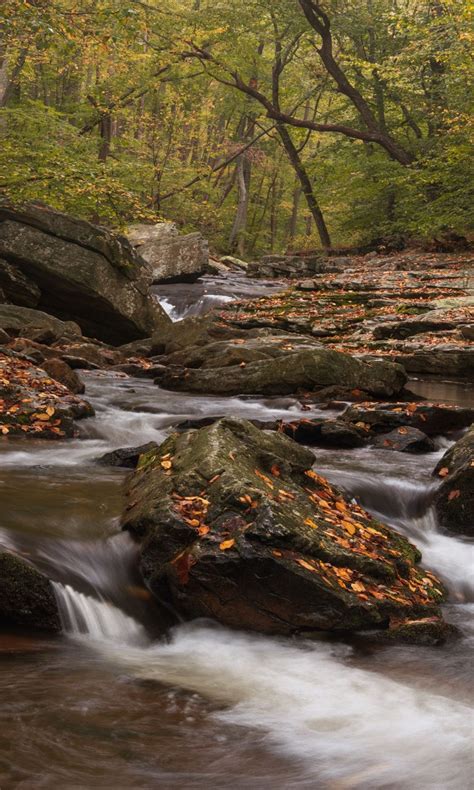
454	499
18	288
26	596
309	370
83	272
169	256
25	321
405	440
127	457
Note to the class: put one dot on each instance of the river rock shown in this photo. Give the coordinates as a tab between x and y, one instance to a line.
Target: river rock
60	371
16	287
32	404
127	457
235	525
454	361
454	499
290	266
306	370
170	257
430	418
405	440
34	324
324	433
84	273
26	596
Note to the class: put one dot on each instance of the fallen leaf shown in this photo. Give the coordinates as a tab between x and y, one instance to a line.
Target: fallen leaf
166	464
306	565
226	544
275	471
454	494
350	528
357	586
310	523
444	471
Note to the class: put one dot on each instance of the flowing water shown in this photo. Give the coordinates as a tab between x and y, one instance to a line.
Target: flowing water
113	704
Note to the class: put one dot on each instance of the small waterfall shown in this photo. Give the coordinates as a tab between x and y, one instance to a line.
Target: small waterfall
82	615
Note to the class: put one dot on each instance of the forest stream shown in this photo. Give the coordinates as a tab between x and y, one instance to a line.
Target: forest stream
111	703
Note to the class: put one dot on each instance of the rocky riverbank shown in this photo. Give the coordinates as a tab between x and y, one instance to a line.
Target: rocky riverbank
233	518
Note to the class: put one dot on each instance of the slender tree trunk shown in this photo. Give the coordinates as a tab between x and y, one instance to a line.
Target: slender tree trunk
237	234
306	187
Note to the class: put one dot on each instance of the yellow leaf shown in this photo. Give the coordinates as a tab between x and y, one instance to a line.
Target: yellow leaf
41	416
348	527
50	411
311	523
166	464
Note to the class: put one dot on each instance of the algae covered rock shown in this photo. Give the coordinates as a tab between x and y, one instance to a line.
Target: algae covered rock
235	525
307	370
26	596
454	499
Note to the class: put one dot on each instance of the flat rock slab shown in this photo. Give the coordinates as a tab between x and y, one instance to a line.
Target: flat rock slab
235	525
307	370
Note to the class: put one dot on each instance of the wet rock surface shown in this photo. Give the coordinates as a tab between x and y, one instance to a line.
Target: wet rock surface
307	370
33	404
235	525
26	596
454	499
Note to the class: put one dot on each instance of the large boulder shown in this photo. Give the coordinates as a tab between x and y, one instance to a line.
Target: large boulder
83	272
234	525
303	370
170	257
454	499
26	596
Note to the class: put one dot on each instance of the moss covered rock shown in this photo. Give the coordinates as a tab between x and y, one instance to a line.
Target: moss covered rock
235	525
454	499
26	596
296	370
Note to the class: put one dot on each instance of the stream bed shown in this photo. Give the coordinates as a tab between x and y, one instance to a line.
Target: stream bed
112	704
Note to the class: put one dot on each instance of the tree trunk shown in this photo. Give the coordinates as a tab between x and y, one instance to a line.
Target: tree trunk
306	187
237	234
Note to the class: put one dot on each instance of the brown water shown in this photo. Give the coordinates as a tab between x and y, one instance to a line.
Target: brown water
112	705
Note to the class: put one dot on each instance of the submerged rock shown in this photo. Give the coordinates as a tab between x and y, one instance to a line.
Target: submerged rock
306	370
234	525
26	595
454	499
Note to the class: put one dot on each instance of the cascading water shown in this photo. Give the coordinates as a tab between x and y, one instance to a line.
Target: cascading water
112	705
82	615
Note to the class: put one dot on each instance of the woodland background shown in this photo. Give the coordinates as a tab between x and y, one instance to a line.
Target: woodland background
267	125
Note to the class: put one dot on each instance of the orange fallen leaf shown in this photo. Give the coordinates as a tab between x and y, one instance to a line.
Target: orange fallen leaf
203	530
306	565
310	523
275	471
166	464
358	587
350	528
454	494
226	544
444	471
